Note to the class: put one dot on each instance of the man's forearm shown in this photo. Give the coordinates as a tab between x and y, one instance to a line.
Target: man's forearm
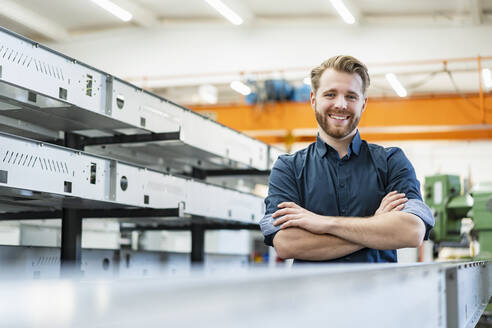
384	231
304	245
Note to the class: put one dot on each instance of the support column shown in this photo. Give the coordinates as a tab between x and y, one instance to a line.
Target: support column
71	243
71	232
197	243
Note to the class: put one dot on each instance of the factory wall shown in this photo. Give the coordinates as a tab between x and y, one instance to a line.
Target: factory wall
171	50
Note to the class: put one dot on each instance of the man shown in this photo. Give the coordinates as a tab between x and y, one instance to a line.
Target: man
342	199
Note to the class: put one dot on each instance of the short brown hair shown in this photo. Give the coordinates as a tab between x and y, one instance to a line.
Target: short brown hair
347	64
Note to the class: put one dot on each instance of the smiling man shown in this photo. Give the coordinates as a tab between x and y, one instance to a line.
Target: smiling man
342	199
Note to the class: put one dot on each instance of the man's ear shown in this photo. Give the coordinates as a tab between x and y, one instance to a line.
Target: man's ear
313	99
365	104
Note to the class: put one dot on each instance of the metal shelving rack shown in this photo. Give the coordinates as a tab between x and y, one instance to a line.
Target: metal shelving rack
53	107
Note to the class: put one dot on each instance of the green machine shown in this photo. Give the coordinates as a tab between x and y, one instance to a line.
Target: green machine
443	194
482	219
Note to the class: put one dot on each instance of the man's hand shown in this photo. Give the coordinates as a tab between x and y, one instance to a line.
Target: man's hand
292	215
392	202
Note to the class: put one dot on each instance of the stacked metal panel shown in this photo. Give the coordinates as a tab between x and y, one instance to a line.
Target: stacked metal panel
44	88
39	174
44	94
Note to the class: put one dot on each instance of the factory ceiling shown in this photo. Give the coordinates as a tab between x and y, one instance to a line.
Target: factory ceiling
60	20
180	31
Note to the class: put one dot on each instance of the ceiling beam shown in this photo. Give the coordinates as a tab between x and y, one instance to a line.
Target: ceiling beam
141	16
32	20
476	11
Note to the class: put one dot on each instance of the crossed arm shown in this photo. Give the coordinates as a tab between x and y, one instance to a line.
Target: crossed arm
309	236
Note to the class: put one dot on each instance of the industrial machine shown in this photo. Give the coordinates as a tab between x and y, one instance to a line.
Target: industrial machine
452	205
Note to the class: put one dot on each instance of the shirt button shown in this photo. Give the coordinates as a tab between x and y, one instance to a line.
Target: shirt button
342	185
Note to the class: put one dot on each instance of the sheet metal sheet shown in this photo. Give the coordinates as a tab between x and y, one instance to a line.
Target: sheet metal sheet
35	174
334	296
41	86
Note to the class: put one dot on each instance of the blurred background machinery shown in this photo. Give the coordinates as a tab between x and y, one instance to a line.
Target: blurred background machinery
463	218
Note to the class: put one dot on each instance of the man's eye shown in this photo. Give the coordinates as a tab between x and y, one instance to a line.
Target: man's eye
330	95
352	97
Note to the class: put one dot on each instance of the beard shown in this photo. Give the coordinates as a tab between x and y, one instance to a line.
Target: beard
338	132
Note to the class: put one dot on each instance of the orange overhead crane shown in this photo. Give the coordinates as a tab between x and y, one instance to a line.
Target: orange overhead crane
444	117
439	117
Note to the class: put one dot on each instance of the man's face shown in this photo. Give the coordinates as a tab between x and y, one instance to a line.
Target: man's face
338	103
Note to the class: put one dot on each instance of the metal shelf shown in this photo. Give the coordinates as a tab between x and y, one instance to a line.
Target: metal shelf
43	92
47	96
35	175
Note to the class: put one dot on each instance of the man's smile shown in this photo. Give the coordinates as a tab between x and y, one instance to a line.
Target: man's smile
338	117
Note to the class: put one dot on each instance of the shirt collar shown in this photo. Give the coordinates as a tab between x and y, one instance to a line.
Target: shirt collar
321	146
355	144
354	147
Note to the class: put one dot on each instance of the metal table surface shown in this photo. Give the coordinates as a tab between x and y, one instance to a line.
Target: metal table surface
371	295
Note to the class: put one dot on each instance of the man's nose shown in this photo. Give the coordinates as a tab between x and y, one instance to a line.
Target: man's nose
341	102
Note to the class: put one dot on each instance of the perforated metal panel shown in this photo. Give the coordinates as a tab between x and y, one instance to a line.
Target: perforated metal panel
46	88
40	167
53	173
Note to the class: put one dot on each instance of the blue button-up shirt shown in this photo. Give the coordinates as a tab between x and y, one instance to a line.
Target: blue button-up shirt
318	180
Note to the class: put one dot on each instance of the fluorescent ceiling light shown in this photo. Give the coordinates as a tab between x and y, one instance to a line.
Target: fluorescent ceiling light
225	11
487	78
307	81
241	88
208	93
343	11
114	9
396	85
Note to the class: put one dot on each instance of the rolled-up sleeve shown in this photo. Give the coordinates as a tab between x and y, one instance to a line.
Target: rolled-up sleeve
282	187
420	209
268	229
402	178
